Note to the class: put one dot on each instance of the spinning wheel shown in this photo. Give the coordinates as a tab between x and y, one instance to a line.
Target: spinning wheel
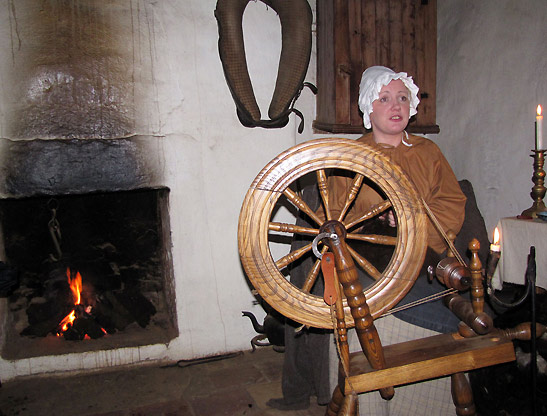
365	167
475	346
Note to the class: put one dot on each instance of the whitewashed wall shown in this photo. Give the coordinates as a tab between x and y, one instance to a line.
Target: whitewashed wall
207	159
211	160
491	75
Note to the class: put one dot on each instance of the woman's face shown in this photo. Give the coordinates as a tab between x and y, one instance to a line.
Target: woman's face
391	111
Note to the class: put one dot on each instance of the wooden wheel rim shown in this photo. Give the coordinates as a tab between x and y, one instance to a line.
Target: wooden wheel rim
268	186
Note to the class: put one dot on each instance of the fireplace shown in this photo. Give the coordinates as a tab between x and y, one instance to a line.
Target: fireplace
115	242
82	131
87	207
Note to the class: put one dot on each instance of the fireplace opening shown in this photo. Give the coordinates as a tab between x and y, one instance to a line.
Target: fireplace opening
92	272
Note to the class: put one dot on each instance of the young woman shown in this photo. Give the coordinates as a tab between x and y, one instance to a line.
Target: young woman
387	100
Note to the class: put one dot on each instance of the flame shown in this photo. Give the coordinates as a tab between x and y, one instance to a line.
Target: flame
496	236
67	320
538	110
76	287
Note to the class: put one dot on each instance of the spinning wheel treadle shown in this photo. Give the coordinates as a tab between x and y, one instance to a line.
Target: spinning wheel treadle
316	158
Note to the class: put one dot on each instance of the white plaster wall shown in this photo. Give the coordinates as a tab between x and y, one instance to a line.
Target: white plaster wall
211	159
491	75
208	160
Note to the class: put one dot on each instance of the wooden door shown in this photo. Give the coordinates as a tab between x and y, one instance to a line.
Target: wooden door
355	34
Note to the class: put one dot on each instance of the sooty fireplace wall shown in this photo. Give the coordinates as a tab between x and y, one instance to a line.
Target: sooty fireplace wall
95	199
77	97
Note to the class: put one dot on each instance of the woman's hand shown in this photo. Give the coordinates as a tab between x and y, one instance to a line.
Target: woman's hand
389	218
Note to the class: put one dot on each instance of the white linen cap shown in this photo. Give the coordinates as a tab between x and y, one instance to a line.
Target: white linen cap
372	81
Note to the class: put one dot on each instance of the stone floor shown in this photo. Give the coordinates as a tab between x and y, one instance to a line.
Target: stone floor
238	384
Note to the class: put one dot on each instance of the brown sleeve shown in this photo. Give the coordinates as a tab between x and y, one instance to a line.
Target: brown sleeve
447	202
434	180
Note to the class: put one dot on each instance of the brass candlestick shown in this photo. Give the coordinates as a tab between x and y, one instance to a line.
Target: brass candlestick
538	190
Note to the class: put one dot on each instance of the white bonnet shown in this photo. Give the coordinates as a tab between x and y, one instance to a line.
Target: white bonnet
372	81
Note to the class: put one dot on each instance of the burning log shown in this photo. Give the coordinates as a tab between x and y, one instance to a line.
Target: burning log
84	326
39	311
68	312
106	318
140	308
42	328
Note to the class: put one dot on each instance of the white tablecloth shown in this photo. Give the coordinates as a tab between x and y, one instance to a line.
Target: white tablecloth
517	236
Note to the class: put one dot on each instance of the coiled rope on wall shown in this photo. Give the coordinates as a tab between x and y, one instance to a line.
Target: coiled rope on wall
296	20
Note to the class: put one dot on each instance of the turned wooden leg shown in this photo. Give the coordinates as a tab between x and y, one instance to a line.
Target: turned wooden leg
477	286
462	395
335	403
339	404
364	324
350	405
341	329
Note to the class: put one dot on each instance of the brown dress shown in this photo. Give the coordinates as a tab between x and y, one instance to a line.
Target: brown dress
431	175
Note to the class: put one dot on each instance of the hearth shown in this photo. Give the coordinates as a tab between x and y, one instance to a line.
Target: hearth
115	243
102	203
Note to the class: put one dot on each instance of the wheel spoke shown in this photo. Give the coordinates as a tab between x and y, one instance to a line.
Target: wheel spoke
291	228
374	238
313	273
365	264
378	209
352	193
292	256
324	192
301	205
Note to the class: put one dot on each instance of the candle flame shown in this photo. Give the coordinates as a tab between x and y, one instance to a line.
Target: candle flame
496	236
538	110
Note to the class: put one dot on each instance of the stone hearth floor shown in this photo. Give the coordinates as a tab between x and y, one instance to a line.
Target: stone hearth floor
238	385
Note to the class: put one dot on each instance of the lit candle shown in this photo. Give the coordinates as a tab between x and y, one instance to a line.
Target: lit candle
495	247
493	258
539	129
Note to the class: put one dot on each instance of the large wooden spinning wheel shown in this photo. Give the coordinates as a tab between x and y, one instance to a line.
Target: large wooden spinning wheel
318	159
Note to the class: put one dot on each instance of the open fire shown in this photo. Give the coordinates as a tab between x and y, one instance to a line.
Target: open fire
68	325
75	284
108	283
76	310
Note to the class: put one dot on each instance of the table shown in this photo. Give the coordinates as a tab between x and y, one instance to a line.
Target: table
516	238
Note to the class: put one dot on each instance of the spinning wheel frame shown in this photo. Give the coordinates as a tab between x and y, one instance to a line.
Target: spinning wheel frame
276	177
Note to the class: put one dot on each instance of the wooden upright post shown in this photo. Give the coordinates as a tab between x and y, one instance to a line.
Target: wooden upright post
477	288
364	323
